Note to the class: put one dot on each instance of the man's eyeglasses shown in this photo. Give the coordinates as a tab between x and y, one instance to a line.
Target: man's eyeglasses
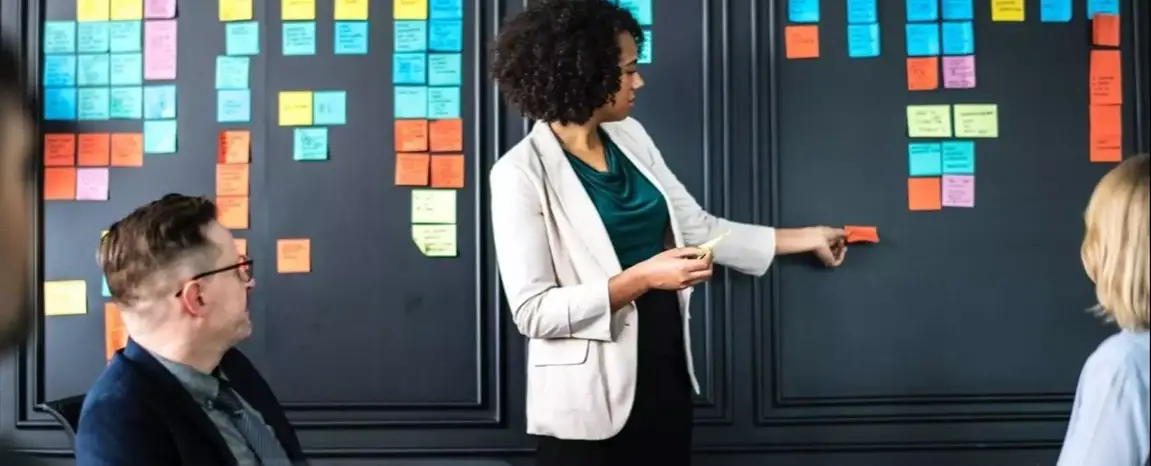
243	268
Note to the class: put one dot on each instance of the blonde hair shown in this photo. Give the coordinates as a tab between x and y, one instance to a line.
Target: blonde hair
1115	247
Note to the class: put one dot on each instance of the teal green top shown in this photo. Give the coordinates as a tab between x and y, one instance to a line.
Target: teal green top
632	209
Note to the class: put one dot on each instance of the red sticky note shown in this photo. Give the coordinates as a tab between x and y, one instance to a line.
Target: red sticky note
924	194
861	234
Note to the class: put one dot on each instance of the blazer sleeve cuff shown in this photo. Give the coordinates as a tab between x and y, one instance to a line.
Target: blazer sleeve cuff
749	249
589	312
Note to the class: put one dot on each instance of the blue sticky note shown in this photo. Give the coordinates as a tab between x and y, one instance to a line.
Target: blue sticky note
862	12
410	36
126	69
310	144
958	38
446	9
231	72
94	103
1055	11
92	37
409	68
922	39
924	159
59	70
445	69
351	38
60	103
59	37
803	11
922	10
863	40
641	10
104	291
233	106
958	158
160	137
242	38
127	103
125	36
411	102
299	38
645	51
958	9
160	102
93	70
329	107
446	35
444	102
1107	7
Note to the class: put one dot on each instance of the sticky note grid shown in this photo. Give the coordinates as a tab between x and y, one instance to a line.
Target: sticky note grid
641	10
1105	107
234	112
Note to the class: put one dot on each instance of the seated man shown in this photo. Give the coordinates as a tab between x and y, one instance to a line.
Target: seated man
179	393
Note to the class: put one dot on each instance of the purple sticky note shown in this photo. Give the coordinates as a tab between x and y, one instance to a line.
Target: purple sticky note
91	184
159	9
160	49
959	72
958	191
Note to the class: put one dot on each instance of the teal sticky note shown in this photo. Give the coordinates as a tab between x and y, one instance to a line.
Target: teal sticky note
862	12
445	69
958	38
641	10
329	107
446	35
299	38
104	291
59	71
410	36
232	72
863	40
409	68
923	159
958	9
351	38
93	103
411	102
922	10
92	37
233	106
645	52
60	103
446	9
444	102
958	158
160	102
922	39
1055	11
126	69
1107	7
93	69
125	36
803	11
59	37
160	136
242	38
310	144
127	103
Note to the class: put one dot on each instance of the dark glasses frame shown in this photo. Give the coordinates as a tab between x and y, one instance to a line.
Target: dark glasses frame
243	269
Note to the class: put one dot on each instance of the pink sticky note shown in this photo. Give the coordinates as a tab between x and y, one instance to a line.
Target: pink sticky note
160	49
159	9
958	191
91	184
959	72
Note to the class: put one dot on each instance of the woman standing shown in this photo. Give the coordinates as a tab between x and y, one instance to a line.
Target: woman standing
590	226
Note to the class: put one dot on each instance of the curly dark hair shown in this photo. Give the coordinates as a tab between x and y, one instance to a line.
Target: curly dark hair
558	60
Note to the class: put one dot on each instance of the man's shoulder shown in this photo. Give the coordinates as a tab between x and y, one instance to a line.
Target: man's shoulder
120	391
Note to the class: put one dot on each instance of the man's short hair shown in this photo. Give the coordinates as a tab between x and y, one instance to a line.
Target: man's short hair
140	248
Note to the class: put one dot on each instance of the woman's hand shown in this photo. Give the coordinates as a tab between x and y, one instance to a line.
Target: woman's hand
676	269
828	244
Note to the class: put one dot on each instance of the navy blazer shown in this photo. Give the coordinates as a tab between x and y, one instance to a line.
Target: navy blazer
138	414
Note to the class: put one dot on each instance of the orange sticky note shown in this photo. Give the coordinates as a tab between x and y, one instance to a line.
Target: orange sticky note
411	169
1106	78
446	135
60	184
802	41
59	150
232	212
127	150
922	73
411	135
861	234
115	335
232	180
1106	133
293	256
1105	30
92	150
235	146
241	246
924	194
448	171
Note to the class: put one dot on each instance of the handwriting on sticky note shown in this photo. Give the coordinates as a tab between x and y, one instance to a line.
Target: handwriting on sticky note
1007	10
235	147
232	180
1106	133
59	184
959	72
1106	78
329	108
160	49
310	144
922	39
929	121
976	120
295	108
127	10
924	159
351	10
297	9
412	169
922	73
435	240
92	150
958	157
1105	30
861	234
65	298
92	184
127	150
448	171
924	194
446	135
411	135
801	41
232	212
115	335
1055	11
242	38
958	191
59	150
293	255
410	9
235	10
862	40
433	206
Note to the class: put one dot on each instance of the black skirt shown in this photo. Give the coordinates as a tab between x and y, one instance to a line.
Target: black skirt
658	430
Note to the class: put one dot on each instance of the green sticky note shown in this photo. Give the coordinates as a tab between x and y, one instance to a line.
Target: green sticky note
411	102
160	136
93	70
310	144
923	159
231	72
59	70
329	107
434	206
124	36
60	103
92	37
958	158
104	291
242	38
645	52
127	103
445	69
127	69
59	37
160	102
351	38
233	106
444	102
93	103
299	38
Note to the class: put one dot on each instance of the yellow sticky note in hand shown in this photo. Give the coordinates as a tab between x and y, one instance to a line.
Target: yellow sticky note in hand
410	9
710	245
351	10
235	10
127	9
295	108
92	10
65	298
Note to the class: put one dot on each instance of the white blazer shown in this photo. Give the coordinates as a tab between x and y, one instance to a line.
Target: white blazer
555	259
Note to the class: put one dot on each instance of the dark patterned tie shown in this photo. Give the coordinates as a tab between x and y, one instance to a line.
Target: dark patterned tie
260	438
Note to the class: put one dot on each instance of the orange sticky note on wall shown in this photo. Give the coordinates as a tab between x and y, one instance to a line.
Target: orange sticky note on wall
411	135
1105	30
924	194
922	73
59	150
232	180
232	212
127	150
293	256
411	169
1106	133
92	150
801	41
861	234
241	246
60	184
446	135
448	171
115	335
1106	78
234	146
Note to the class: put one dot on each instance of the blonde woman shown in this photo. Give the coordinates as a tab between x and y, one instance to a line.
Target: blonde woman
1109	422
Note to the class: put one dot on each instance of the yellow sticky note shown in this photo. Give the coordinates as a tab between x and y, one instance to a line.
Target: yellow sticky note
435	240
65	298
1007	10
127	9
351	10
976	120
235	10
929	121
103	234
297	9
295	108
433	206
410	9
92	10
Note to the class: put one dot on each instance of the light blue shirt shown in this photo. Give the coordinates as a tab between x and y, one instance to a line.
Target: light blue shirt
1110	423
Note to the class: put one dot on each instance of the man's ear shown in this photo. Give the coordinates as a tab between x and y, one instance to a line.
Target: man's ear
192	298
